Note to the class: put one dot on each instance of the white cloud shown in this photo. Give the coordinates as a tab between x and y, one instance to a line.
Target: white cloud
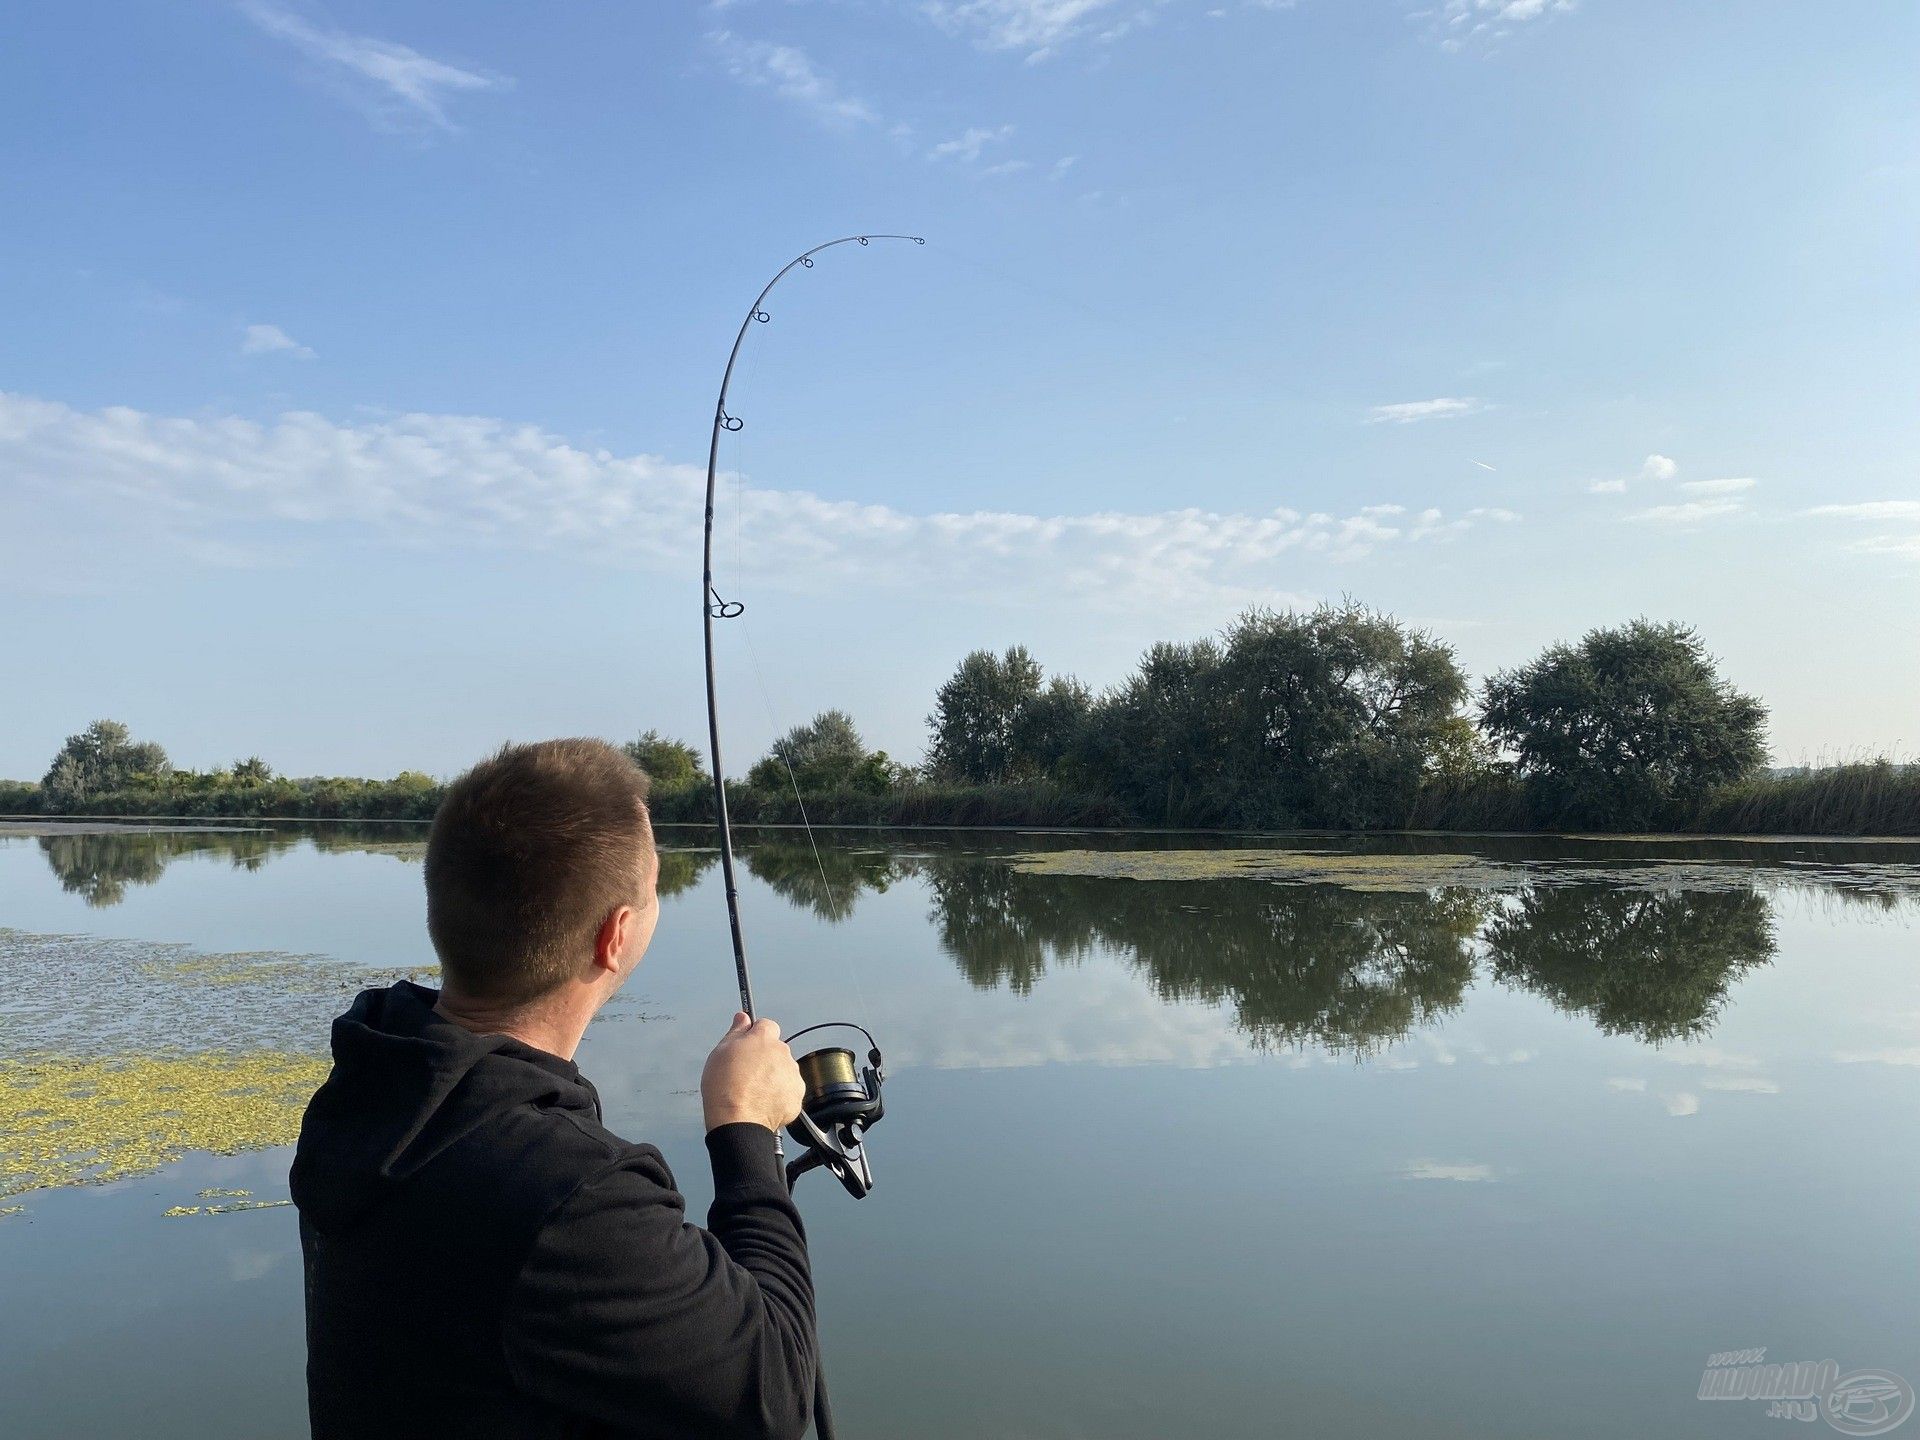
1008	167
1408	412
1872	510
1710	1057
1683	1103
1731	486
1461	23
1607	487
1901	1057
1745	1084
1627	1083
1688	512
393	84
469	480
968	145
1906	547
1468	1172
790	74
1036	27
272	340
1658	467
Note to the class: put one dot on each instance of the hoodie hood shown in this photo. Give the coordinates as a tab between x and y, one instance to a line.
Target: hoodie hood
406	1085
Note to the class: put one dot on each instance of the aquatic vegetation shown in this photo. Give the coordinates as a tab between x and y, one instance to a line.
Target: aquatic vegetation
174	1211
8	1211
1414	873
1402	874
68	1121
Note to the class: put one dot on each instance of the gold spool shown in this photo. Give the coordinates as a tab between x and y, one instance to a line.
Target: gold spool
822	1070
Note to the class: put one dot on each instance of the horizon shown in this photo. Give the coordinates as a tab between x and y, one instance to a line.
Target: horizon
361	358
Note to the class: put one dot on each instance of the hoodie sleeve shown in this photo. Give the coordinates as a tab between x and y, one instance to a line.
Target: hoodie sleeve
625	1313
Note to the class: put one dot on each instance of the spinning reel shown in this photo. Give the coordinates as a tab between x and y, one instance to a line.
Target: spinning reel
842	1103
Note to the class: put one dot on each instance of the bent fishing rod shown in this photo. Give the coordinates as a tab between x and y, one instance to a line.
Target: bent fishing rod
842	1098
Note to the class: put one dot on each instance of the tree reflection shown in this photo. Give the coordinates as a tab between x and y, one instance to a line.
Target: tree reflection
828	881
101	865
1345	970
1656	965
682	869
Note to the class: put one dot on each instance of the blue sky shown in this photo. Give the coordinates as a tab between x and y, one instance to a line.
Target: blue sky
358	360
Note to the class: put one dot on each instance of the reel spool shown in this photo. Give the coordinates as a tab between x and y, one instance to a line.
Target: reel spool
842	1103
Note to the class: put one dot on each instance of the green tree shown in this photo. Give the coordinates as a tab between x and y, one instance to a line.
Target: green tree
999	721
252	771
102	758
825	754
1628	729
673	764
1328	717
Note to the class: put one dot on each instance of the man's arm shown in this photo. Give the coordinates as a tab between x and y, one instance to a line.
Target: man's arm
625	1313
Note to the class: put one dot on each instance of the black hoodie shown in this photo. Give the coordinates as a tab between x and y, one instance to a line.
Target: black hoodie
485	1258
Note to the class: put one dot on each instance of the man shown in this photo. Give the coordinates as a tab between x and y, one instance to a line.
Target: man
483	1257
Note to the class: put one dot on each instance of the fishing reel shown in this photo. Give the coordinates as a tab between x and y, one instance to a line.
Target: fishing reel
842	1103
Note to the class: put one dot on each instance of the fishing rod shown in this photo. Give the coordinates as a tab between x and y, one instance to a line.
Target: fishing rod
842	1099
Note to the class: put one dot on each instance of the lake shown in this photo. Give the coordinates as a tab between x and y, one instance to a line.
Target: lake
1256	1136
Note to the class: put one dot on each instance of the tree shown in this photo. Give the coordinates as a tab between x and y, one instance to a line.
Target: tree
1328	717
252	771
1628	729
672	764
996	723
102	758
824	754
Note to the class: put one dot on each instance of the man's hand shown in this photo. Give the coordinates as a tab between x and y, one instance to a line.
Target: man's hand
751	1076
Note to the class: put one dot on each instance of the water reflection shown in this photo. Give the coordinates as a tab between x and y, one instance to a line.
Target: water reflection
1654	965
100	866
1347	970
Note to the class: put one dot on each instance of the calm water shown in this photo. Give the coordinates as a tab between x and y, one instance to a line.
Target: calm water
1499	1145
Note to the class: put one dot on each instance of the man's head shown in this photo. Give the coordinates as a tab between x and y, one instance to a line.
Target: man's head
540	871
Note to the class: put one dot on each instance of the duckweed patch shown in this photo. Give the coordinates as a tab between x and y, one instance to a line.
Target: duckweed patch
68	1121
1423	874
1402	874
173	1212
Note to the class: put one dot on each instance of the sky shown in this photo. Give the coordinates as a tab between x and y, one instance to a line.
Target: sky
357	361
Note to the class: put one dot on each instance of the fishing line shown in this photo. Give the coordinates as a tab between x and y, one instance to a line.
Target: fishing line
738	447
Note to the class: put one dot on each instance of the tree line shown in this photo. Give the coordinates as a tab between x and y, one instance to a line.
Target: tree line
1339	717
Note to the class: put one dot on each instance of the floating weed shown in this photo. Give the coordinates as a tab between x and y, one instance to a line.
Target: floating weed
68	1121
217	1194
1404	874
1423	874
7	1212
175	1211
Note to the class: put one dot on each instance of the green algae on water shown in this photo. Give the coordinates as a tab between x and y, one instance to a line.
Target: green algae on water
1400	874
68	1121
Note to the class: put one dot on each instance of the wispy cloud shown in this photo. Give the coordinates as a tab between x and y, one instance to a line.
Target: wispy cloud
394	85
1607	487
467	480
1683	1103
1872	510
1408	412
966	146
1466	1171
1462	23
1035	27
793	76
1735	485
272	340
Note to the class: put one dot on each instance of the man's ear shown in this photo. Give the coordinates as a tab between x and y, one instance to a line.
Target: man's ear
611	939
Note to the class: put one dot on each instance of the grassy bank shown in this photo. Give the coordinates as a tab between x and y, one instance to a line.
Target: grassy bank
1872	798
